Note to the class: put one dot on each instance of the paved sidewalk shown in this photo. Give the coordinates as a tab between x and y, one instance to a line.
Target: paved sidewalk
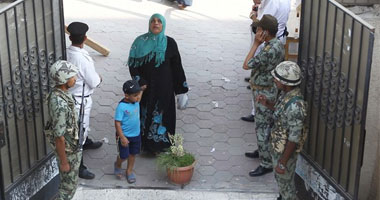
213	39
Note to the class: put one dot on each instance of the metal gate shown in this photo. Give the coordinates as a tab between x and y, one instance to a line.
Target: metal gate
31	39
358	2
335	56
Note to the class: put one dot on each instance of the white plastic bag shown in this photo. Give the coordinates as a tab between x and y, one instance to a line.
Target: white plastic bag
182	100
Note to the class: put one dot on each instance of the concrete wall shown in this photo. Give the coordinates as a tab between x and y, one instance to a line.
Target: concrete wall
369	182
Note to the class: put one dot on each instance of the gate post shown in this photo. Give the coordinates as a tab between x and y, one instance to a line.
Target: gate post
2	144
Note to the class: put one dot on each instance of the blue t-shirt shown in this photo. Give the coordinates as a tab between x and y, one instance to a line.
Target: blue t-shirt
129	116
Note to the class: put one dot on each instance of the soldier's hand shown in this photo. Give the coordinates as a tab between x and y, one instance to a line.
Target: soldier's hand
64	167
261	99
279	170
260	37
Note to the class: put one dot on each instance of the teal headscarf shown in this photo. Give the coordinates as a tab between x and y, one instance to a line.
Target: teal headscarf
149	45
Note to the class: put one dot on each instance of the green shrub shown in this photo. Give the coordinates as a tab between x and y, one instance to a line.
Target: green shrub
176	156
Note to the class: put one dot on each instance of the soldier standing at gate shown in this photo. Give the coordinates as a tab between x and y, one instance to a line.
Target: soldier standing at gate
87	76
262	83
62	127
288	135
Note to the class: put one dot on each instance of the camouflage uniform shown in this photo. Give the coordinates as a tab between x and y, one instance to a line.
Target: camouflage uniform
289	115
262	83
63	121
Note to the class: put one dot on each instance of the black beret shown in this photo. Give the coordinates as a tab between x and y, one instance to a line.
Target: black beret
77	28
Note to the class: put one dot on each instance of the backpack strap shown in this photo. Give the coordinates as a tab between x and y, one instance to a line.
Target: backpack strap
292	100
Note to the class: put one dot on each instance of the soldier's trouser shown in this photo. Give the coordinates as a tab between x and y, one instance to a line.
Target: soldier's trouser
264	121
69	180
285	181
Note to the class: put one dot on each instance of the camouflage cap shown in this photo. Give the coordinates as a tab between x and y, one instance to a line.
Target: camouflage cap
287	73
267	22
61	71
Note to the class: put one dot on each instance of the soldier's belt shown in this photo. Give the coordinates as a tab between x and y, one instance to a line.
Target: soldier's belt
258	87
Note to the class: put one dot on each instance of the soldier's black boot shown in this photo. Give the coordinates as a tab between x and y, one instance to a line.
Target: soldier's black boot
84	173
89	144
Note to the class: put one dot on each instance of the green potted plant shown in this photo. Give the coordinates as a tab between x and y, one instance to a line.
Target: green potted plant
178	163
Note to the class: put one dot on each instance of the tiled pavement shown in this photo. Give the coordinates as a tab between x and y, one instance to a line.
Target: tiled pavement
213	38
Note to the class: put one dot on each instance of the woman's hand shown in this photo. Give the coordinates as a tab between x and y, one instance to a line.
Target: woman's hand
124	141
143	87
64	167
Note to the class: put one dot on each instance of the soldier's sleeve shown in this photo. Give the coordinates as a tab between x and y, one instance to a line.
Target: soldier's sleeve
261	60
295	121
59	117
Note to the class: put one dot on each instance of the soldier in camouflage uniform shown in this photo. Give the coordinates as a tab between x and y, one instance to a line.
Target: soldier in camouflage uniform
288	135
262	84
62	127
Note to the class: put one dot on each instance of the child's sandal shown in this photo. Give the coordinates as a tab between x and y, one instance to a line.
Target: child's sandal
118	172
131	178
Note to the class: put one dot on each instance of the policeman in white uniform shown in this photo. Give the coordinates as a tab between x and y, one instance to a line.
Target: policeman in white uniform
87	74
280	9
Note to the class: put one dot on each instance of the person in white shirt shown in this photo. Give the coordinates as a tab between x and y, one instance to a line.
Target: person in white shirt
280	9
78	56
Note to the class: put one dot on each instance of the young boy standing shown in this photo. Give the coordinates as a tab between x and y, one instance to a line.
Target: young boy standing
127	124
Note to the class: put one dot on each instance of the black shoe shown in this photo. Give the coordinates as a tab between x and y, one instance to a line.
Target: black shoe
246	79
248	87
89	144
279	198
254	154
259	171
249	118
85	174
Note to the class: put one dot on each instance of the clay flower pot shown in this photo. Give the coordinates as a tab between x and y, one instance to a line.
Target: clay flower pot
181	175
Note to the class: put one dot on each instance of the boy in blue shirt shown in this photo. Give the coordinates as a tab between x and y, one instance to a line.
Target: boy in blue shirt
127	124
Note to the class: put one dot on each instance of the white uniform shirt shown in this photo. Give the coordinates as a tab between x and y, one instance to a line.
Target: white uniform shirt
279	9
81	58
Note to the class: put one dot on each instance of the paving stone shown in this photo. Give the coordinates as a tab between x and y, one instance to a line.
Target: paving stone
205	133
221	155
204	107
206	160
189	119
206	170
205	124
223	176
223	146
219	128
204	115
205	151
236	142
237	150
220	137
222	165
205	142
190	128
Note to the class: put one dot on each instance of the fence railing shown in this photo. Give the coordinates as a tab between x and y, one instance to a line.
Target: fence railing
31	39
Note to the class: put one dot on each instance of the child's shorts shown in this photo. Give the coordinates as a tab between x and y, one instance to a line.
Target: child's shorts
133	147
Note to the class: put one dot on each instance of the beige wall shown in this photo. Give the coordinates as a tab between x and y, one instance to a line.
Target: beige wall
369	182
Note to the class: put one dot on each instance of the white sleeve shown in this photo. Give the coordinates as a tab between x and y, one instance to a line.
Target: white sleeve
90	75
